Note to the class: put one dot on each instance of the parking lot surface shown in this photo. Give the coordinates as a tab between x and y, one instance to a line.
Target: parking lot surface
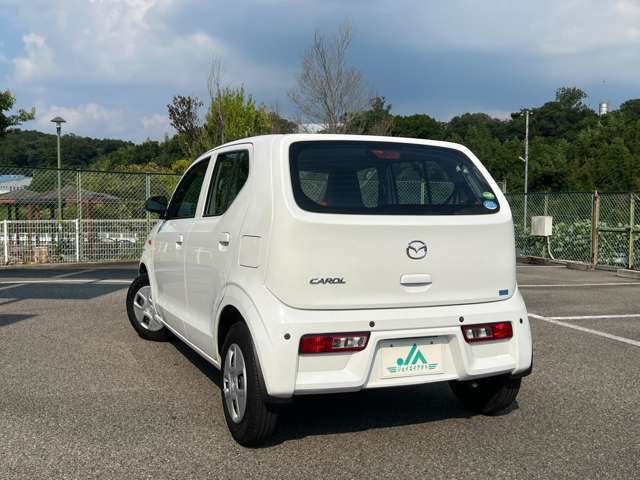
82	396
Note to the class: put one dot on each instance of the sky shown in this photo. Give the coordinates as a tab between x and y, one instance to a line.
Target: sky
109	67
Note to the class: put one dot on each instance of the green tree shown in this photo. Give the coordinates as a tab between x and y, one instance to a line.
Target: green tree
631	109
563	117
616	168
418	126
7	101
183	116
233	114
378	120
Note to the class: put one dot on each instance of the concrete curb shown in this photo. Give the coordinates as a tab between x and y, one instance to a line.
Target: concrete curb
623	272
531	260
579	266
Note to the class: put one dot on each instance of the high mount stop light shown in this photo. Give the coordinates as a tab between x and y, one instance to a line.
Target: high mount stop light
487	331
334	342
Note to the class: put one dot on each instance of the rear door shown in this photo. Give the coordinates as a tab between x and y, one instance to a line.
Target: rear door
386	224
169	248
213	242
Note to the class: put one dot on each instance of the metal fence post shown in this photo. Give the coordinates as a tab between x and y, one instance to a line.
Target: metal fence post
5	234
147	195
79	194
595	220
632	222
77	225
79	245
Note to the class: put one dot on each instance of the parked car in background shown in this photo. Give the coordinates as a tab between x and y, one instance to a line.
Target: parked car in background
311	264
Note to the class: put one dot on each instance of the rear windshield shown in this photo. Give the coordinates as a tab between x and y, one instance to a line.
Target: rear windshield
355	177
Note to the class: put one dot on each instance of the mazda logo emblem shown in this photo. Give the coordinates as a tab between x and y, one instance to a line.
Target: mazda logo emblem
416	250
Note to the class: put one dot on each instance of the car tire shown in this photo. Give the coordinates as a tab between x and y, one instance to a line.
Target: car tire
488	396
141	311
253	422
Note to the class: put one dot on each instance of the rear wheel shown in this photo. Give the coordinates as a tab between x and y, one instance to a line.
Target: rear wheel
142	312
489	396
251	420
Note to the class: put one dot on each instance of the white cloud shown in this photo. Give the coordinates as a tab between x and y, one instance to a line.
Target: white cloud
84	120
156	125
38	60
123	42
100	121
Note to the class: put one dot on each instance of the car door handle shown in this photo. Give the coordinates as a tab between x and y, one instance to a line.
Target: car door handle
179	240
224	239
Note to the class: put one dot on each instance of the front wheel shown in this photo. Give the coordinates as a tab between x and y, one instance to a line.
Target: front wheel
488	396
142	311
250	419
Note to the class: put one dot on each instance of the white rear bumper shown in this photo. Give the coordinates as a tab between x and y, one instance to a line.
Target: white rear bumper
287	373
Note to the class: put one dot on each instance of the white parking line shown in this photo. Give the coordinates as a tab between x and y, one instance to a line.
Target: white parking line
55	279
635	343
73	281
597	317
569	285
70	274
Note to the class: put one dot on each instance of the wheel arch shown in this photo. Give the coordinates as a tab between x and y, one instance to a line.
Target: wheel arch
229	316
142	269
236	305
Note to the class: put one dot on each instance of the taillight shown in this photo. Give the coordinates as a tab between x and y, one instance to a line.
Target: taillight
487	331
334	342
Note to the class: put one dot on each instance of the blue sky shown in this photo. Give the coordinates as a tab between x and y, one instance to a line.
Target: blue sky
111	66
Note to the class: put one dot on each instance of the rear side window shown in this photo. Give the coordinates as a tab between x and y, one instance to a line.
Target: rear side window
387	178
229	176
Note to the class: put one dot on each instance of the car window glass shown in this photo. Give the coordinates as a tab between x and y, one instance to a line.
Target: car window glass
230	175
387	178
185	199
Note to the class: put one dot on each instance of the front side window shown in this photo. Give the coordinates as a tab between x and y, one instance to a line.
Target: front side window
387	178
185	199
229	176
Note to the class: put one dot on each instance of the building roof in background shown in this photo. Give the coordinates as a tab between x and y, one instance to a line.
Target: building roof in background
13	178
69	194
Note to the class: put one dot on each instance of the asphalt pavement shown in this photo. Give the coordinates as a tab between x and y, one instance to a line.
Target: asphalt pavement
82	396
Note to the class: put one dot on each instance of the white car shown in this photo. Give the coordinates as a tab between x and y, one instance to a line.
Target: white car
311	264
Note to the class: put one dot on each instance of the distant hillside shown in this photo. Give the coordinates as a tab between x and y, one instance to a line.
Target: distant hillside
36	149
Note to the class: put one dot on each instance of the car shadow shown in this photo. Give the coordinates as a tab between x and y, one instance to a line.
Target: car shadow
211	372
8	319
330	414
366	410
59	291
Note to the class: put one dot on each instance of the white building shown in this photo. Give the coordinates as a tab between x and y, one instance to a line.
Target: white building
11	183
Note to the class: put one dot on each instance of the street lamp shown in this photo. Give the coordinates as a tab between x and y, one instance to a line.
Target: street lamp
59	121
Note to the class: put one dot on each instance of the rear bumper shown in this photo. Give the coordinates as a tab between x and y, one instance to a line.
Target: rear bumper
287	373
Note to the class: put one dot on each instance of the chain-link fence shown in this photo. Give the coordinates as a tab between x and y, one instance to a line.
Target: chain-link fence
51	216
49	194
600	229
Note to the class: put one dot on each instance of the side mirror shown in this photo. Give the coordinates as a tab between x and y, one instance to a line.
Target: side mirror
156	205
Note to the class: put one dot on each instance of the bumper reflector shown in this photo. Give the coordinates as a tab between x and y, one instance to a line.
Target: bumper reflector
334	342
487	331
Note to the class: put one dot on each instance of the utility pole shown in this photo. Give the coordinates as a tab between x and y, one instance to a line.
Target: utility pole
59	121
526	167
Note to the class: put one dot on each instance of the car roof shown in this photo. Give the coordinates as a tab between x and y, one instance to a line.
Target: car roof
298	137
